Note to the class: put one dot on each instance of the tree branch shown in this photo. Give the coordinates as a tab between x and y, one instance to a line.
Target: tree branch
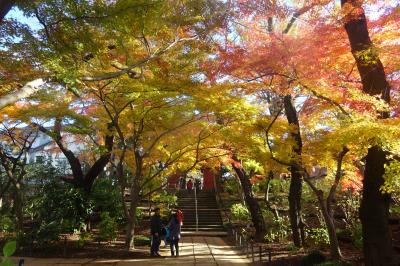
26	91
139	63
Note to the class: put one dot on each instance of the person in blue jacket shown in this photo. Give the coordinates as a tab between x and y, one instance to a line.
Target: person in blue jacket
174	234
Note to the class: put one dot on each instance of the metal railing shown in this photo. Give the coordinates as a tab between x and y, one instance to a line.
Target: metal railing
195	204
253	250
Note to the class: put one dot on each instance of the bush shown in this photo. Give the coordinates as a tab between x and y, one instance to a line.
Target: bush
318	236
141	240
83	238
106	197
58	209
357	237
139	216
7	226
232	186
240	213
166	198
108	228
278	229
48	233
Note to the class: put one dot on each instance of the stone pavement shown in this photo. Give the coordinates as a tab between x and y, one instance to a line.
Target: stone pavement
194	250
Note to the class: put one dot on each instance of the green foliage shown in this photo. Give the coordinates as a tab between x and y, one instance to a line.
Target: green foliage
277	227
392	180
357	236
63	205
108	228
8	250
165	197
139	215
141	240
58	208
83	238
232	186
252	166
395	210
318	236
48	233
7	225
105	197
240	213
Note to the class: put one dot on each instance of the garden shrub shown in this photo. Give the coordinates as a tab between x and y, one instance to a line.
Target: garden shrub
106	197
139	216
141	240
357	236
240	213
232	186
108	228
165	197
277	229
83	238
7	226
318	236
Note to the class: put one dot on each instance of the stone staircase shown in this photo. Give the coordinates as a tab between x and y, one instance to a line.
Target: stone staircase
209	215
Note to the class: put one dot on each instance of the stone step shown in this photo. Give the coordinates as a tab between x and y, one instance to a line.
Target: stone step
209	215
205	233
208	225
191	229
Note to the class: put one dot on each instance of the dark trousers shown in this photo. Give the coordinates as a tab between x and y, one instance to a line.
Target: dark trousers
174	243
155	244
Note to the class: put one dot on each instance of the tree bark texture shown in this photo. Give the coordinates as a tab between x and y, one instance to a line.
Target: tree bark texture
251	201
374	208
295	189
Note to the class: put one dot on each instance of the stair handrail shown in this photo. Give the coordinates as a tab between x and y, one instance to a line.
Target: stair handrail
195	204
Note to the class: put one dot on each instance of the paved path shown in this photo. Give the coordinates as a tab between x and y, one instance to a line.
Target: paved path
195	250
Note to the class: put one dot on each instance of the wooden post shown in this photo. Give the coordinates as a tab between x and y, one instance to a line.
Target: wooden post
260	252
65	246
252	251
269	256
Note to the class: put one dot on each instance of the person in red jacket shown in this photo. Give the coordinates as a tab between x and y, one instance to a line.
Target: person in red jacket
189	185
180	216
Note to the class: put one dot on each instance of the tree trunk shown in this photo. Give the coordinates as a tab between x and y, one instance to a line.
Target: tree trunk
18	207
251	201
130	231
374	208
330	225
374	212
295	190
296	223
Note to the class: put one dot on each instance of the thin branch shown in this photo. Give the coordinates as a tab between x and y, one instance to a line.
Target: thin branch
338	175
269	144
332	102
126	70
